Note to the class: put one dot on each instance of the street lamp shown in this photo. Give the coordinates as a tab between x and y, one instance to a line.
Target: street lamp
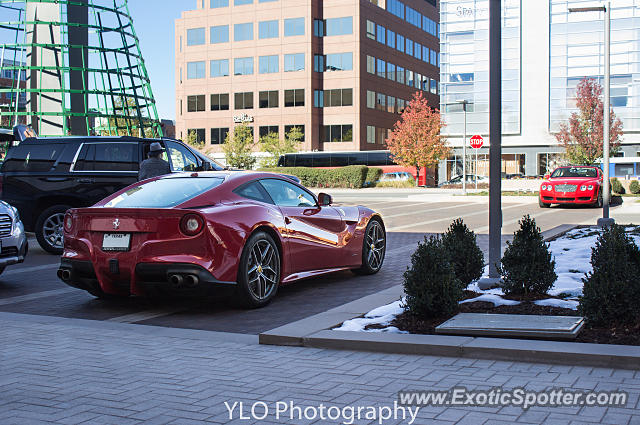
605	220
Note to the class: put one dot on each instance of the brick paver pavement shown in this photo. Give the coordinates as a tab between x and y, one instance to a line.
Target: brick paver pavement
71	371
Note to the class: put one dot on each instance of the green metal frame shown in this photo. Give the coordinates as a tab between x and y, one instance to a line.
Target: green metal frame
117	88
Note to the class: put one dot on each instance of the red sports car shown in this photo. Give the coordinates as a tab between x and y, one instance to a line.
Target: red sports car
572	185
191	233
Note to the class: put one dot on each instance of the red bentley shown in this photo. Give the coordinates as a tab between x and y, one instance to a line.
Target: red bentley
572	185
191	233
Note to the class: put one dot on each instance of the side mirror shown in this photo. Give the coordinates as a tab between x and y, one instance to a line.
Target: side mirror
324	199
546	176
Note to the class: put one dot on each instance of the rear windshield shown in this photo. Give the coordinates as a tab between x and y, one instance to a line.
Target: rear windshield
164	193
36	157
575	172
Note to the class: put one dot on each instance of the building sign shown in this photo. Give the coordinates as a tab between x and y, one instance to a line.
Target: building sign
239	119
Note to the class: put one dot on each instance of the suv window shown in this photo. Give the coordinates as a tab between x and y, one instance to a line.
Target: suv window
107	157
180	157
287	194
32	157
255	191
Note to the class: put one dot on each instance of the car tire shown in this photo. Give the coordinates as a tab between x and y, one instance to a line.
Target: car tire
599	202
543	204
259	271
374	247
49	229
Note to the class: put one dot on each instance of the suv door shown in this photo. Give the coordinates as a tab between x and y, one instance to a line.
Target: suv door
180	157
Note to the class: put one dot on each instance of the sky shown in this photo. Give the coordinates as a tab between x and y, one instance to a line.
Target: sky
154	22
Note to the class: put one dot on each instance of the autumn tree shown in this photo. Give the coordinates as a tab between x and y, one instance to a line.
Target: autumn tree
238	147
582	137
274	146
415	140
192	139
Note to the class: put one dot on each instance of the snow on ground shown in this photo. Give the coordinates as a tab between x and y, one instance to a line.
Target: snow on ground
555	302
491	298
380	316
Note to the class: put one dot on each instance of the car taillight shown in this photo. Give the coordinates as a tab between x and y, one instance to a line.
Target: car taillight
191	224
68	222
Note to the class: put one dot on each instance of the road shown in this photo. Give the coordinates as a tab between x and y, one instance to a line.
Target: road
33	287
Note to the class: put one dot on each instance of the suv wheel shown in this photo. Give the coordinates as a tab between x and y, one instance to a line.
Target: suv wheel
50	229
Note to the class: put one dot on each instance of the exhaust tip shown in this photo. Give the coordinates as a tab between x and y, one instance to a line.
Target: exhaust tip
176	280
191	280
64	274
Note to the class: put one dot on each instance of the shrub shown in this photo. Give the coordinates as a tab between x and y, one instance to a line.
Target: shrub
430	283
611	290
616	186
407	184
373	175
527	266
352	176
634	187
464	253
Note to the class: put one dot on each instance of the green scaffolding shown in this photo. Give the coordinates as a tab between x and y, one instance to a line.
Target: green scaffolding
108	73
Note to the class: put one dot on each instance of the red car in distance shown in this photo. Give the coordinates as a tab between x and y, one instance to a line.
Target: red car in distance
192	233
572	185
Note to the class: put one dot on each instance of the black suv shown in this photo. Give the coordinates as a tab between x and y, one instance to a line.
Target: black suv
43	177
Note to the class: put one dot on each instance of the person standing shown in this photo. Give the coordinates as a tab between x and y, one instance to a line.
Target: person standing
154	166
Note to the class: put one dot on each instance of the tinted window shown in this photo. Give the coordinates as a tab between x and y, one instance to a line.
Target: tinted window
164	193
287	194
253	191
107	157
32	157
180	157
575	172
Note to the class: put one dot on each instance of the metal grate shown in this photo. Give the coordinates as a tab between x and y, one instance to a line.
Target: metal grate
566	187
5	225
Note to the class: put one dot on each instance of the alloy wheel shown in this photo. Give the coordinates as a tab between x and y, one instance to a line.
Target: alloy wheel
263	269
53	230
375	244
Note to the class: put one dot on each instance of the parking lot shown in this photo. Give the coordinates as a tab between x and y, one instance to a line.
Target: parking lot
33	287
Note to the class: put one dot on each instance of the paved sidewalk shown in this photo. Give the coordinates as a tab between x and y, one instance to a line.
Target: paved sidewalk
70	371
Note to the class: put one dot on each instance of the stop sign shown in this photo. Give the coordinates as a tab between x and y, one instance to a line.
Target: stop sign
476	141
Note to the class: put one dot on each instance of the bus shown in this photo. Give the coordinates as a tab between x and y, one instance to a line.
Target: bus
380	158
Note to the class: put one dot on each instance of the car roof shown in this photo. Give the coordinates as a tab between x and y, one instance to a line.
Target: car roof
239	176
93	139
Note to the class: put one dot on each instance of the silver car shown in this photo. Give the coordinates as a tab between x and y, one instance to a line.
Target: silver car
13	240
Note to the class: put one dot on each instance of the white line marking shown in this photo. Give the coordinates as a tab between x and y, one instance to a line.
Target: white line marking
407	206
417	212
144	315
514	221
35	296
484	211
30	269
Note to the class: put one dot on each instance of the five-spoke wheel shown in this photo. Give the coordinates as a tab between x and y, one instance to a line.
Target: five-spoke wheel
259	271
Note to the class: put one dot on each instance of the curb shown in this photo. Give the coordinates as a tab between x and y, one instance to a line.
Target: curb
314	331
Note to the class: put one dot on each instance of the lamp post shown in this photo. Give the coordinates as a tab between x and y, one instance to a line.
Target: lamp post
606	121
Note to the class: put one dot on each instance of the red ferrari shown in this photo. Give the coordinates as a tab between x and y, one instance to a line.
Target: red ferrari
192	233
572	185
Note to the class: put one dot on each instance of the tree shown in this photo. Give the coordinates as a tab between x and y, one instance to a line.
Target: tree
238	147
192	139
275	147
415	140
582	136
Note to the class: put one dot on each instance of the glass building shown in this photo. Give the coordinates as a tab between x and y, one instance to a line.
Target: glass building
546	52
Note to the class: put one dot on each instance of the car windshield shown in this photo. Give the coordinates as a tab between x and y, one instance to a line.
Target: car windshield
575	172
164	193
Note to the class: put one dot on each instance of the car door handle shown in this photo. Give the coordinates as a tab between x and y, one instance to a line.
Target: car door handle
287	220
86	181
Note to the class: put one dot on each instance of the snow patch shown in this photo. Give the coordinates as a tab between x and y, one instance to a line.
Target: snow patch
491	298
382	316
555	302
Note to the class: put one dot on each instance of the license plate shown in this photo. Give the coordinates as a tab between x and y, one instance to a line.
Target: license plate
116	241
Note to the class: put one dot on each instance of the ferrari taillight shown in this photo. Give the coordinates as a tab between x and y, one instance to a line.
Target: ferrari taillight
191	224
68	222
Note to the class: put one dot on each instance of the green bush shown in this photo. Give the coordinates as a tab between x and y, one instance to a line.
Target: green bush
611	290
430	283
634	187
373	175
616	186
464	253
406	184
527	266
352	176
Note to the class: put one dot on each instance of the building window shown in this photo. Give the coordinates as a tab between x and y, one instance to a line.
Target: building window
220	68
417	50
199	132
268	64
339	26
243	66
268	99
391	39
268	29
339	97
288	128
371	99
391	71
242	2
318	98
196	70
371	64
263	130
401	105
338	133
219	3
371	134
195	103
380	34
243	32
434	86
409	79
339	62
220	102
293	27
391	104
266	1
396	7
220	34
219	135
381	67
371	30
294	62
195	36
381	135
417	82
318	28
400	43
318	63
400	74
409	49
434	58
381	103
294	97
425	54
243	100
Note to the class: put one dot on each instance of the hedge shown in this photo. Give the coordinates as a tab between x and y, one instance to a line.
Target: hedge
352	176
